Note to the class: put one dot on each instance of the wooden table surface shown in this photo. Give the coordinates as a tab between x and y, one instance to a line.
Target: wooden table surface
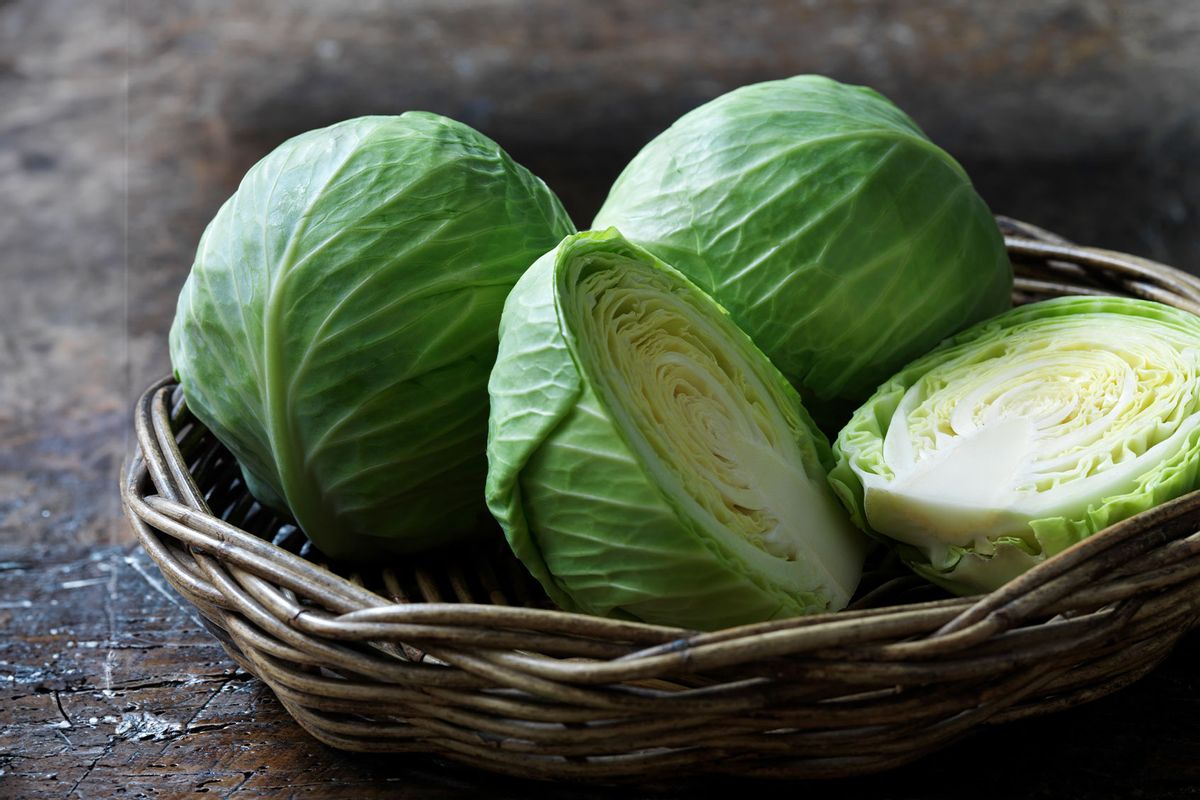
125	123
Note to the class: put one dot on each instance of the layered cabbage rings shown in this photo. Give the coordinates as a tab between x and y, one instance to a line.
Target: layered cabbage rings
1026	434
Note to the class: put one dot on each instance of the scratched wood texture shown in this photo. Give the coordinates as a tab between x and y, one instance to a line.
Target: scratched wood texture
125	123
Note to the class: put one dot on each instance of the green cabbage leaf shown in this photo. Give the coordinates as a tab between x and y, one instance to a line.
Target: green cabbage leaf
646	461
1026	434
339	324
839	237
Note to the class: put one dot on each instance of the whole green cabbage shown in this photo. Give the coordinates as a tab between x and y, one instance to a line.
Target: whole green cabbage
646	460
838	236
1026	434
339	323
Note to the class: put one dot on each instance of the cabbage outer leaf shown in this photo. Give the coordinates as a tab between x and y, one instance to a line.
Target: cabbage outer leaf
339	324
839	237
645	459
1025	435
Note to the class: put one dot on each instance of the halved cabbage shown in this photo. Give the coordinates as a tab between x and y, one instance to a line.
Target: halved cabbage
646	460
1026	434
840	238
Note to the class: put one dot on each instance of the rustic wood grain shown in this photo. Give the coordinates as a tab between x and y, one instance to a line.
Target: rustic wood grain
125	123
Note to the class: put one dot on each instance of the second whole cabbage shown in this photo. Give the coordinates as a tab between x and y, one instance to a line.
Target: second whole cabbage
840	238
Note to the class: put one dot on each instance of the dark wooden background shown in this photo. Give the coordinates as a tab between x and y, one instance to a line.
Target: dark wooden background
125	123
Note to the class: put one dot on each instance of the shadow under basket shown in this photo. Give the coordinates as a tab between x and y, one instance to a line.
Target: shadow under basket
463	656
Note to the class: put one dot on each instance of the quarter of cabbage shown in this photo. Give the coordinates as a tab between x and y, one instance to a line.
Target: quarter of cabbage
646	461
839	237
339	323
1026	434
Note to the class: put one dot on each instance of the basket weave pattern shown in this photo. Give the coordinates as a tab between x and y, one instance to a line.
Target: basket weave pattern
463	656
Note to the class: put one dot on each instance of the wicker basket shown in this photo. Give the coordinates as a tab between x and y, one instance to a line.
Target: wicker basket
463	656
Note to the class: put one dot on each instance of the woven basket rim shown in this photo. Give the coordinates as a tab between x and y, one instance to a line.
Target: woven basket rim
979	605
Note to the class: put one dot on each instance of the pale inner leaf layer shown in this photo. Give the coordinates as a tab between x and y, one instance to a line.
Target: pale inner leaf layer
705	421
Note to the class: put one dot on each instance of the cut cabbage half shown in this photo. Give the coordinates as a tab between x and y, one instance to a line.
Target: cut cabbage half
1026	434
646	461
